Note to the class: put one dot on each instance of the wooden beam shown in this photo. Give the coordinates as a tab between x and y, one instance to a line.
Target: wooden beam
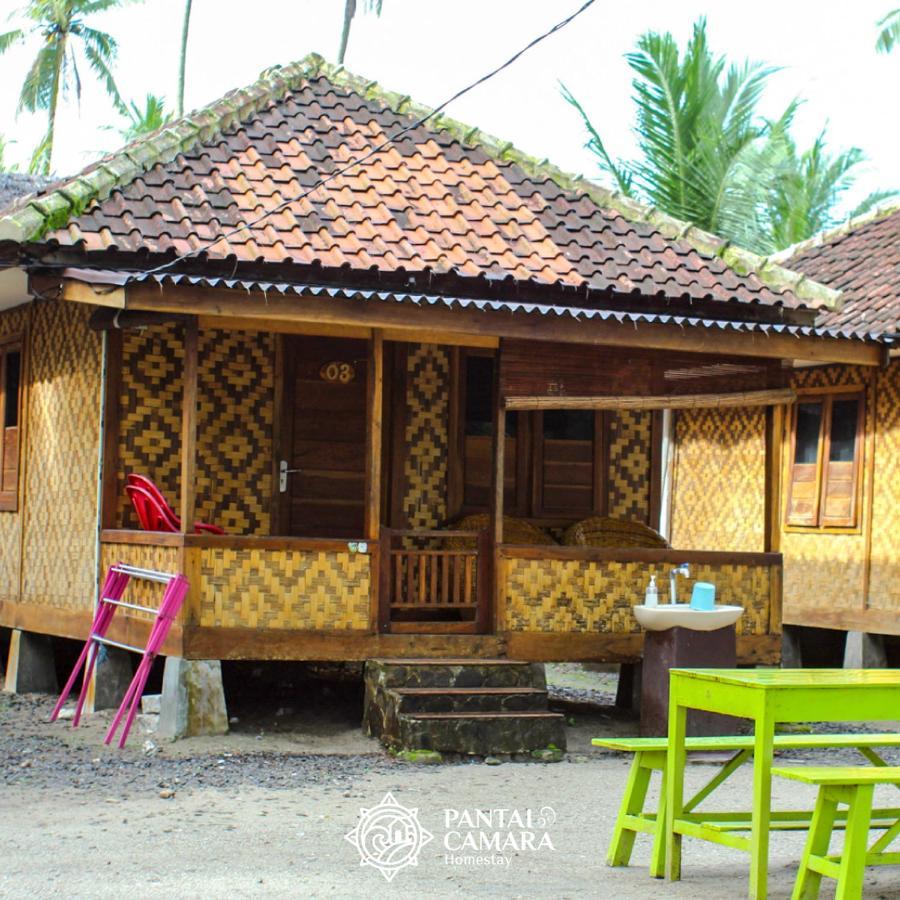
775	419
410	318
189	428
242	323
112	392
680	401
374	428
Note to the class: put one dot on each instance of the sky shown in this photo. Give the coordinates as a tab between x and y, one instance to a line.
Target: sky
430	48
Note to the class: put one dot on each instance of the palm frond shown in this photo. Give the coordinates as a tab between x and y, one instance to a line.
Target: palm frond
889	32
99	62
619	172
9	38
873	201
40	158
37	89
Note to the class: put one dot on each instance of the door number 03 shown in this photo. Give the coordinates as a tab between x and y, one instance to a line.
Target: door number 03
340	372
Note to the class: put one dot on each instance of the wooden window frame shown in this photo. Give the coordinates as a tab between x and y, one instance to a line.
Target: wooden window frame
528	460
827	397
9	499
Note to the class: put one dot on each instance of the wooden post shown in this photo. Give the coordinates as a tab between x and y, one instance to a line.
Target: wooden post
375	408
497	483
774	452
189	428
382	598
111	410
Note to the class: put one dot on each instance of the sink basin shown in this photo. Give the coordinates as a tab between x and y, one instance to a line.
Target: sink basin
681	615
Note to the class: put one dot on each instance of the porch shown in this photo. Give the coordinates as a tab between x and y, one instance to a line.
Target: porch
318	454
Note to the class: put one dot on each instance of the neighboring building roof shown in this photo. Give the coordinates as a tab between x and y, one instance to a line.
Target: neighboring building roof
443	198
14	185
862	260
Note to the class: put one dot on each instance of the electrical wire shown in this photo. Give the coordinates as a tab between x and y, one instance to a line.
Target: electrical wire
390	139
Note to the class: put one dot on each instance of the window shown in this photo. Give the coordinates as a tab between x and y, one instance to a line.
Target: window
826	451
554	460
10	399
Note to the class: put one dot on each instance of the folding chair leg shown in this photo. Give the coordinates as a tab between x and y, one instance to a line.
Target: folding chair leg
632	805
808	882
856	839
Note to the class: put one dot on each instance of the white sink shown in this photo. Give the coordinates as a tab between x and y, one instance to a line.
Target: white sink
681	615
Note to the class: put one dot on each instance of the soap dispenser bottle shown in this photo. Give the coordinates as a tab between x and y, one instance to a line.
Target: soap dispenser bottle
651	597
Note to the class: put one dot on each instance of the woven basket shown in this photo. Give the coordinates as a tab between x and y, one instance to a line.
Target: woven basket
603	531
515	531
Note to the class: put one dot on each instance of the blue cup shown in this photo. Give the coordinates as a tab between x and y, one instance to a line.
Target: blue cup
703	596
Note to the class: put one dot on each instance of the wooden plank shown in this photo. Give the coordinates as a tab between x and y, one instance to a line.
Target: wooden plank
112	390
641	554
189	429
282	429
190	567
656	468
446	338
775	419
142	538
871	402
374	420
484	613
239	323
410	318
675	401
850	618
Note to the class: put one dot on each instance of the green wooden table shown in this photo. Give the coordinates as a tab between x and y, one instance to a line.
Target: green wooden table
767	696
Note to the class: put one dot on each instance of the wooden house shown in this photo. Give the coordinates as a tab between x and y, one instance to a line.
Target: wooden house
338	373
836	522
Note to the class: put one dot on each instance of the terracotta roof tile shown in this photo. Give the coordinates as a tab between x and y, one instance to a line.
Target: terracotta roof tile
437	198
862	260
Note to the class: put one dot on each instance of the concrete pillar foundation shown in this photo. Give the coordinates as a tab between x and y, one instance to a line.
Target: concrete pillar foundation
112	676
193	699
30	667
791	653
865	651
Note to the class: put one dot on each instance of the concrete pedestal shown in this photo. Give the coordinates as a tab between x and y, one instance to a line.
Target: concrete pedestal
193	699
865	651
682	648
30	667
112	676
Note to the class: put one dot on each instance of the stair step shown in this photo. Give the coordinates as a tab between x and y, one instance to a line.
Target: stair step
416	700
517	714
482	733
468	673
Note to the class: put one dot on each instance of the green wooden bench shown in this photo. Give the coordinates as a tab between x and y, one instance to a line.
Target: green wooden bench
650	757
850	786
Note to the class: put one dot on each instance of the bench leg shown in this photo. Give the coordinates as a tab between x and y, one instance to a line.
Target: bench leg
808	882
632	805
658	854
856	840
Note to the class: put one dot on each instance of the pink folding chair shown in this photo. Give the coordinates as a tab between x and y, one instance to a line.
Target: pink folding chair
152	500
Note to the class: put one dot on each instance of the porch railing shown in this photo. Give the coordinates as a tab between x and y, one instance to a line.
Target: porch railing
433	579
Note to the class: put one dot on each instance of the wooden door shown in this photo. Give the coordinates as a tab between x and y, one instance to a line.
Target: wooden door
324	436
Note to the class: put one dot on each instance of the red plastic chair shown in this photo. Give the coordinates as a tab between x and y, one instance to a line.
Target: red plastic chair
157	510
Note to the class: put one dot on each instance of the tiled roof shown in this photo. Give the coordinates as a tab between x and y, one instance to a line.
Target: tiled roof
442	198
861	259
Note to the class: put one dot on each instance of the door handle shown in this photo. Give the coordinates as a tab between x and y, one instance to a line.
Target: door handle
283	472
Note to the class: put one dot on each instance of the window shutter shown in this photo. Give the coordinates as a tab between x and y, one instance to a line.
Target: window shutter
806	456
842	459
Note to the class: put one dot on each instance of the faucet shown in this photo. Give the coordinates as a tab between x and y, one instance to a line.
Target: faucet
683	569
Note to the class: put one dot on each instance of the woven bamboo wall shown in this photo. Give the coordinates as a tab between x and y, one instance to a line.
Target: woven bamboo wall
718	492
884	583
554	595
234	423
630	437
826	569
284	589
60	521
426	441
13	322
234	430
144	593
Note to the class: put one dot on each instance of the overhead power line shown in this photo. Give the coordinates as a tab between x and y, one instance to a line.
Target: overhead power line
390	139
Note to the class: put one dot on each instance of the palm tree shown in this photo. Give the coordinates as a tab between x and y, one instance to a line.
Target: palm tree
349	13
143	120
182	58
889	33
59	28
708	157
806	189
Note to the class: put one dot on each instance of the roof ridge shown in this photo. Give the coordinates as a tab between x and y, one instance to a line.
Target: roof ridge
36	215
882	211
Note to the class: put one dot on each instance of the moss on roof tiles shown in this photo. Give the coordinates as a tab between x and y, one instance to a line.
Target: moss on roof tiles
34	216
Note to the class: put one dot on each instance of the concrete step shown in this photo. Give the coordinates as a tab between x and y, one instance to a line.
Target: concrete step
482	699
482	733
465	673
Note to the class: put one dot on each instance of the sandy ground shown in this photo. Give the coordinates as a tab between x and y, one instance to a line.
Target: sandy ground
265	813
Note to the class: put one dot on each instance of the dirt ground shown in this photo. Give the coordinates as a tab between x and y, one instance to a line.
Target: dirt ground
264	811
